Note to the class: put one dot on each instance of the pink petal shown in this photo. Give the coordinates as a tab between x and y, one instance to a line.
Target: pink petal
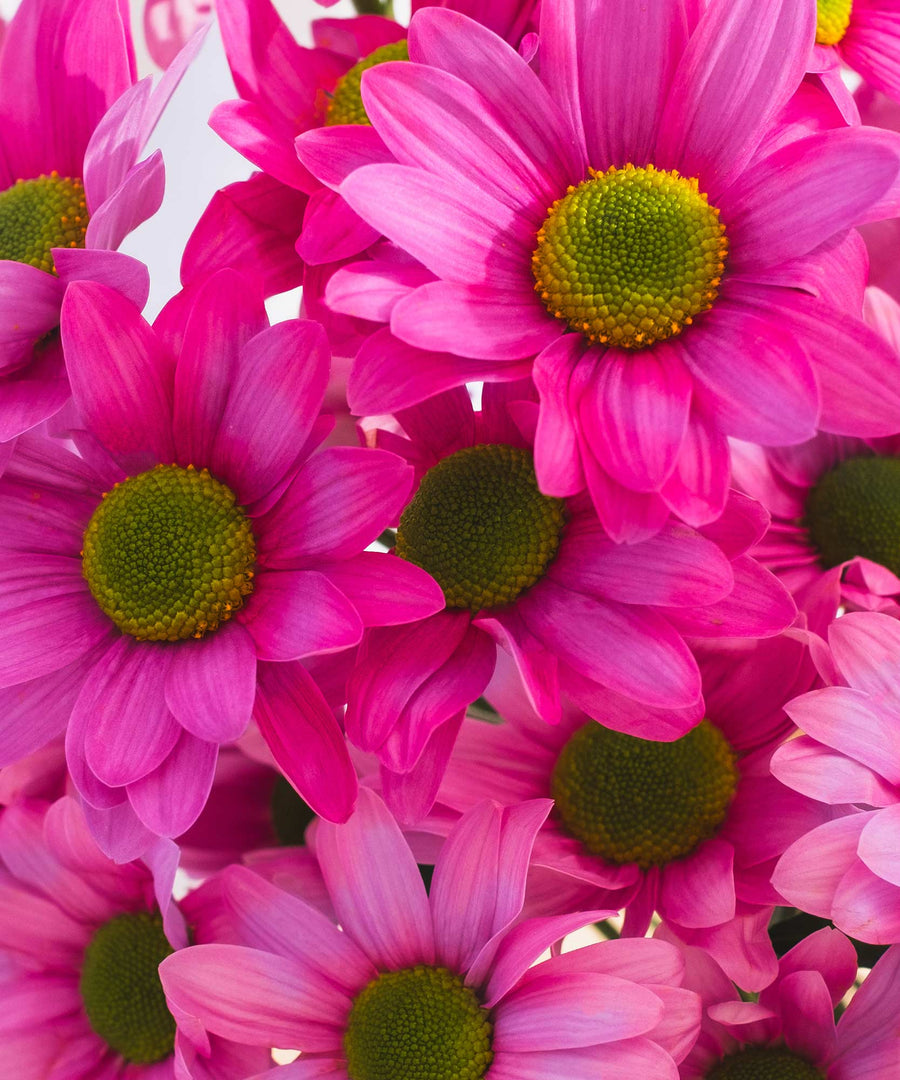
828	775
138	198
373	880
866	648
811	869
211	684
129	277
562	373
29	309
631	1059
169	799
698	487
386	590
332	231
305	739
332	153
698	890
867	907
878	844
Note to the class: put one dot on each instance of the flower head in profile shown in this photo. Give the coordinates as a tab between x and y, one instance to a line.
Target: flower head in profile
84	938
634	225
162	587
72	186
439	986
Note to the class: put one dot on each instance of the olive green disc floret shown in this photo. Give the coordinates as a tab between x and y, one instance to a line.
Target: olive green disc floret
854	510
345	105
832	20
168	554
121	991
479	525
40	214
419	1023
763	1063
632	800
630	256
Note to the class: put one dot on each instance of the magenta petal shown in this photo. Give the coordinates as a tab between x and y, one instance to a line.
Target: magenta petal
138	198
636	415
410	795
631	650
332	153
373	880
119	271
35	392
129	729
562	372
295	613
697	489
698	890
29	309
629	1059
211	683
272	404
305	739
169	800
118	371
332	231
386	590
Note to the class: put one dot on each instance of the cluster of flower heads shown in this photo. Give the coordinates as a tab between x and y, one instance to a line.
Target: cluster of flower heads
543	576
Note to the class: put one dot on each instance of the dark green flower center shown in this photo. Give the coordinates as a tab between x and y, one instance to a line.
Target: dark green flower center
168	554
479	525
290	814
37	215
421	1023
631	800
855	510
763	1063
121	991
832	20
346	106
630	256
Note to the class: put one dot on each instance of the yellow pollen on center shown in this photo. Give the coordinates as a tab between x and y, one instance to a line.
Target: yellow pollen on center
832	20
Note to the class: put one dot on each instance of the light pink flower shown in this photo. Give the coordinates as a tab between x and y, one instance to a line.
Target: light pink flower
479	147
84	936
208	423
297	981
541	579
168	24
848	870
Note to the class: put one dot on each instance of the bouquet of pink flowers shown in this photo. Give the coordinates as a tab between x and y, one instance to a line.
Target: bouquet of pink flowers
492	673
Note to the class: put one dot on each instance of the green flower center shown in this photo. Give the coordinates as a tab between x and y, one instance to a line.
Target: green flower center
763	1063
631	800
290	814
630	256
832	20
346	106
37	215
121	991
480	527
855	510
168	555
421	1023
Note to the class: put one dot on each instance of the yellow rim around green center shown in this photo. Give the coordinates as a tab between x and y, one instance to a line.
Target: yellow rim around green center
41	214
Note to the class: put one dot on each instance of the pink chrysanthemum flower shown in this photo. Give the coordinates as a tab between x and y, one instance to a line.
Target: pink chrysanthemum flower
690	829
160	589
864	35
630	224
169	23
84	938
539	577
71	185
790	1032
848	870
432	987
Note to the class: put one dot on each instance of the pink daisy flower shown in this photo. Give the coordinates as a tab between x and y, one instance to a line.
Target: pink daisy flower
84	938
168	24
790	1031
864	35
539	577
625	225
848	870
436	986
71	185
690	828
159	589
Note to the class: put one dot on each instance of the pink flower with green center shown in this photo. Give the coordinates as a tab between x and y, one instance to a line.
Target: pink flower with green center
689	828
72	186
432	986
848	870
864	35
630	226
83	939
540	578
160	588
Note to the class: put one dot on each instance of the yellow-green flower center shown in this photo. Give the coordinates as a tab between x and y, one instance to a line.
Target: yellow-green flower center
480	527
854	509
832	20
168	554
629	257
345	105
37	215
420	1023
631	800
121	991
763	1063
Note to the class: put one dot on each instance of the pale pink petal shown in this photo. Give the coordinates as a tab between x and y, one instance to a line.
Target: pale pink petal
810	871
828	775
138	198
867	907
866	648
878	844
631	1059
